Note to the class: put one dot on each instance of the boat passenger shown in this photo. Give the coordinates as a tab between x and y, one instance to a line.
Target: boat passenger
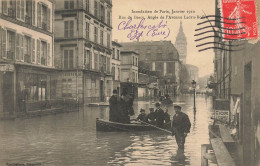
152	116
113	107
142	116
123	109
159	115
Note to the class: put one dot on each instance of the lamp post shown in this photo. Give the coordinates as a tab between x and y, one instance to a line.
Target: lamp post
193	83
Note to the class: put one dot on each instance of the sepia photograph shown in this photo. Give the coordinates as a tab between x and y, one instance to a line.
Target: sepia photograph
129	83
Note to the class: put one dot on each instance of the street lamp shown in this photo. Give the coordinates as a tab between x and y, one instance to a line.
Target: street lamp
193	83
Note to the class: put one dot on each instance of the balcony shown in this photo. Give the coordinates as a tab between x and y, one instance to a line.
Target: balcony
27	58
10	55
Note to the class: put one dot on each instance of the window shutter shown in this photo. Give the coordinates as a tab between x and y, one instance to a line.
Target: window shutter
48	19
71	59
39	20
33	12
66	27
17	47
90	60
48	55
71	28
22	9
18	14
33	50
38	52
4	43
22	47
4	7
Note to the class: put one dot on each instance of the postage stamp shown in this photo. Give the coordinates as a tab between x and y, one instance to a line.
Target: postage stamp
239	19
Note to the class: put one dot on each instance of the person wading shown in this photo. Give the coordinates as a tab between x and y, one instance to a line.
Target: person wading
180	126
113	107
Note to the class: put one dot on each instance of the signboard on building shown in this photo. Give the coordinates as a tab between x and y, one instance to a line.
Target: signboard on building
222	115
6	67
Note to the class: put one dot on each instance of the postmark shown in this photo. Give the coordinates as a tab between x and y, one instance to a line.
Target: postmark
239	19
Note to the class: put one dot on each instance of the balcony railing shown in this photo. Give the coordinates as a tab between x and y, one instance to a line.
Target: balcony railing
11	12
27	58
10	54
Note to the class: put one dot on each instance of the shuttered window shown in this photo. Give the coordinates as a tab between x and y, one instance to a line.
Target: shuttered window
17	52
48	19
68	59
69	29
39	20
33	12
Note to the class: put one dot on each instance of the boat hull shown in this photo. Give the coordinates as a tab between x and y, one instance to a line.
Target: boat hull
103	125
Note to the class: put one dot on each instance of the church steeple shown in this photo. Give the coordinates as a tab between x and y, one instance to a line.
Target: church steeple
181	44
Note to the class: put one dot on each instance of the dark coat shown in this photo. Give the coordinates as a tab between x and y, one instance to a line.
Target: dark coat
113	108
123	111
181	123
160	117
152	116
142	117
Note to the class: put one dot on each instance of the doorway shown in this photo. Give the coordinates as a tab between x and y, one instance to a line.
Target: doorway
8	92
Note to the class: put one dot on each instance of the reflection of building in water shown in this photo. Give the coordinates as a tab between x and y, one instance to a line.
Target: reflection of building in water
26	55
193	71
181	44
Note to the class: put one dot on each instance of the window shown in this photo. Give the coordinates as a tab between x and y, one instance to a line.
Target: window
101	37
102	13
19	47
87	5
96	62
133	60
108	64
118	54
43	52
136	62
96	34
69	29
108	18
68	59
4	6
87	30
27	49
38	52
69	4
43	17
66	87
88	59
33	12
28	12
10	44
113	72
108	40
113	55
96	9
119	71
33	50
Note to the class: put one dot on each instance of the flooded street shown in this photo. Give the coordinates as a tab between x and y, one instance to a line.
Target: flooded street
71	139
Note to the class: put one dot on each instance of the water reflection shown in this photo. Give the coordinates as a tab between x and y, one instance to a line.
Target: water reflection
71	139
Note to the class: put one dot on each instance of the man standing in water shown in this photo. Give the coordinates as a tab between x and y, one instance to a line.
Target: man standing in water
180	126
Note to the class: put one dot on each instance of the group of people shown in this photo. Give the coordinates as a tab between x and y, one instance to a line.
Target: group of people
121	108
159	117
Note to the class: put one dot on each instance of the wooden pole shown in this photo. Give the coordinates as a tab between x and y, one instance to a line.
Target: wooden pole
167	131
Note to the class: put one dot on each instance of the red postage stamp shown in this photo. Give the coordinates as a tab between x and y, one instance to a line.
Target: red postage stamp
239	19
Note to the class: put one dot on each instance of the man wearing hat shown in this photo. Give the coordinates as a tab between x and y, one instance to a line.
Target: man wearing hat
113	107
180	126
159	115
142	116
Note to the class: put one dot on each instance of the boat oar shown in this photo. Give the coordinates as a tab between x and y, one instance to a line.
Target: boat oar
153	126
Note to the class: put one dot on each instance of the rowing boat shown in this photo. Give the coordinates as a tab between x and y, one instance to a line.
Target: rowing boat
104	125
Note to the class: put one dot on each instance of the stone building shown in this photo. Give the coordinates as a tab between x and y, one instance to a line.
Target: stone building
27	74
181	44
129	72
116	66
160	56
83	49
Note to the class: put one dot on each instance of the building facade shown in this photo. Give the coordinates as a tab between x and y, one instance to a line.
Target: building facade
236	81
83	49
27	74
181	44
129	72
116	66
193	72
160	56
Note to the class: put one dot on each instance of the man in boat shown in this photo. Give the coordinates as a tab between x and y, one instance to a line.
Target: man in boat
123	109
152	116
160	116
130	103
180	126
113	107
142	116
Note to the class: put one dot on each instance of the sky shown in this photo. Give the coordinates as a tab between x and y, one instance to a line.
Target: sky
191	8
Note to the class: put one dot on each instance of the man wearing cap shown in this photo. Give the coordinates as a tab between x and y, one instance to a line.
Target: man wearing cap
159	115
180	126
113	107
142	116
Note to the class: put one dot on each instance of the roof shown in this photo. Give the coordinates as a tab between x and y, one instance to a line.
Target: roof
126	52
116	43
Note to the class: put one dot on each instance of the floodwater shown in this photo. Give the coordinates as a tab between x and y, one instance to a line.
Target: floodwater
71	139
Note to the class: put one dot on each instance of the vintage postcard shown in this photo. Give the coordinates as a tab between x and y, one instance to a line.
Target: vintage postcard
129	83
